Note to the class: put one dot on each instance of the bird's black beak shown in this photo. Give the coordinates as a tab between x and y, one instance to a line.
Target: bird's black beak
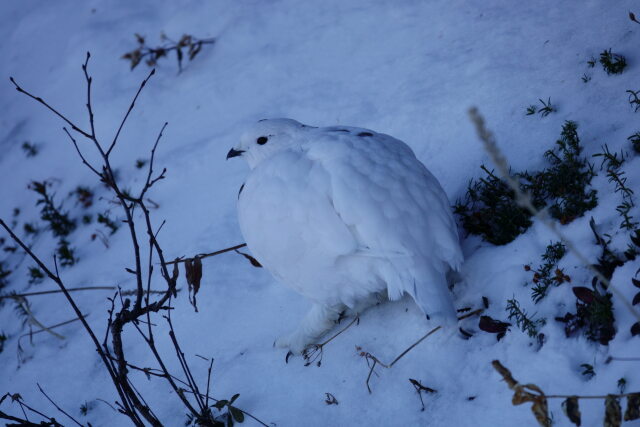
234	153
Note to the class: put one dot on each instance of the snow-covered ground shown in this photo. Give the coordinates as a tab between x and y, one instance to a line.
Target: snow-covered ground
410	69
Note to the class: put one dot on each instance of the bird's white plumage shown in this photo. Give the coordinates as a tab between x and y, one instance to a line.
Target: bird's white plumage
342	213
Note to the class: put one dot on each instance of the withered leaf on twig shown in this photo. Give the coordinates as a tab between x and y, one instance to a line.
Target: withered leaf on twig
613	412
633	407
193	272
571	409
585	295
251	259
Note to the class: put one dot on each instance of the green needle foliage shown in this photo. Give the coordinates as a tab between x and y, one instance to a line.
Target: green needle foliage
523	321
548	274
490	210
612	62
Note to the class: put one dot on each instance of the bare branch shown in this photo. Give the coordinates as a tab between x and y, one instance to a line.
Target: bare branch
41	101
133	103
221	251
57	407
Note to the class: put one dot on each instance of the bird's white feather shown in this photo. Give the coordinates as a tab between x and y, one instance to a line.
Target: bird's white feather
340	213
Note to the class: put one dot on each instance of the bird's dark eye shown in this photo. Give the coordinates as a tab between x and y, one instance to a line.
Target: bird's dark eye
262	140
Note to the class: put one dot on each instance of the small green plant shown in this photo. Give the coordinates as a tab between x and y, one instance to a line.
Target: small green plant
108	222
547	108
592	62
594	315
544	111
622	385
612	62
565	184
586	78
35	275
65	253
548	273
635	142
489	210
613	165
634	100
59	222
84	196
4	274
587	370
30	228
30	150
523	321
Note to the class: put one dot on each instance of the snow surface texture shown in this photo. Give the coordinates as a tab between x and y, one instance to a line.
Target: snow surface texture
340	214
408	69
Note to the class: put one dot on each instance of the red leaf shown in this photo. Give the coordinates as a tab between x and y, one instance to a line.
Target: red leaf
585	295
493	326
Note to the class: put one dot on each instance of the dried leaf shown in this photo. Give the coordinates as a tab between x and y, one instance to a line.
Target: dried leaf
613	412
635	329
330	399
585	295
251	259
632	16
139	38
493	326
540	410
633	407
636	299
571	409
236	414
636	283
194	49
193	272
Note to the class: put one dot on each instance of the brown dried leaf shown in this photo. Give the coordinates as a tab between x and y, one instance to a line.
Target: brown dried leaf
633	407
493	326
251	259
194	49
632	16
139	38
635	329
193	272
636	299
506	374
571	409
540	410
636	283
613	412
585	295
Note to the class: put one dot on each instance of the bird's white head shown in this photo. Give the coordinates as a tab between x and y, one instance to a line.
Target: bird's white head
267	137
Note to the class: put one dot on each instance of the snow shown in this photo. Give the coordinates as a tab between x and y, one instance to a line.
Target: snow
407	69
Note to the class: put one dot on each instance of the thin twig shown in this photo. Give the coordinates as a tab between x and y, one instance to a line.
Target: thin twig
221	251
41	101
133	103
57	291
375	361
57	407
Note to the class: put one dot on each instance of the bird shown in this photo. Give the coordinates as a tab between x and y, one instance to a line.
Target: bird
345	216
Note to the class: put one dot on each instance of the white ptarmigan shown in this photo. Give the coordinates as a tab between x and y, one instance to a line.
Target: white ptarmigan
341	214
